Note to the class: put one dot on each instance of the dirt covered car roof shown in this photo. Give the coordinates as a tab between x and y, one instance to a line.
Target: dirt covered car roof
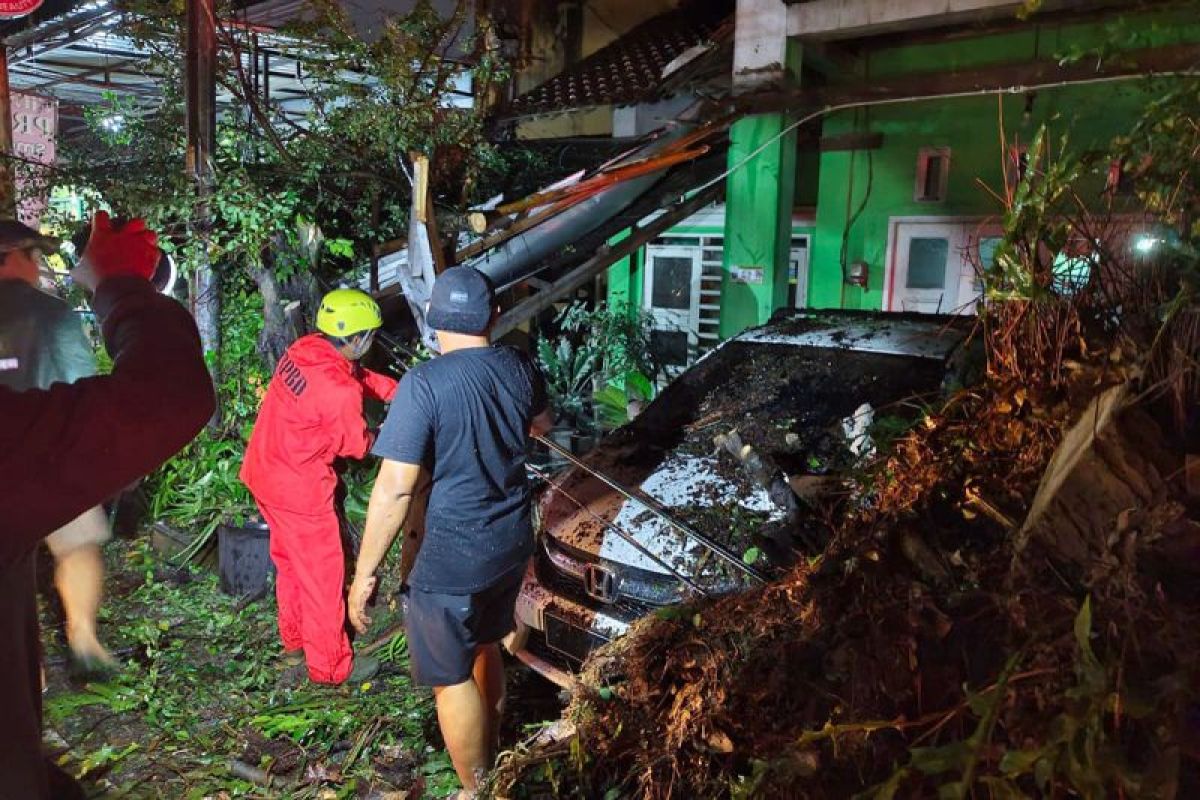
786	390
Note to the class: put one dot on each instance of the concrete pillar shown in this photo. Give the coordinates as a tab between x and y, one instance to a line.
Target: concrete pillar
759	193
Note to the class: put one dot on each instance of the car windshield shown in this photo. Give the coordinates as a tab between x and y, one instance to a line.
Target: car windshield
786	401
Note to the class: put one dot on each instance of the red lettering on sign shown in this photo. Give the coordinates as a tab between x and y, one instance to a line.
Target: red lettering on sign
11	9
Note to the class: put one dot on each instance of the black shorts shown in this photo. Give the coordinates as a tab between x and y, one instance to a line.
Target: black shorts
444	629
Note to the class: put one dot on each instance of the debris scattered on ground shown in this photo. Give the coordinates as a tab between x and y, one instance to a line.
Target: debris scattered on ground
199	708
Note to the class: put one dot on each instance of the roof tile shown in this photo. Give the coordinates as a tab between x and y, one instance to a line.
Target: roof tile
629	69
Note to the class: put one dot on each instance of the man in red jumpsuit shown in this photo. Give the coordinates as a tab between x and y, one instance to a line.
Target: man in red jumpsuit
311	415
72	446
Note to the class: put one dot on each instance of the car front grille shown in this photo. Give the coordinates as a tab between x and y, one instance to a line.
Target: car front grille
571	588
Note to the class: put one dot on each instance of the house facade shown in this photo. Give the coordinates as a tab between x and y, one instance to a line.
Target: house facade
877	184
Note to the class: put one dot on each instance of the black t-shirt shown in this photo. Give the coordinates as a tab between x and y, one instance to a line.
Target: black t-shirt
465	416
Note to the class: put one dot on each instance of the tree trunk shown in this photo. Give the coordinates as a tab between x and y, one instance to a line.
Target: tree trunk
206	308
288	310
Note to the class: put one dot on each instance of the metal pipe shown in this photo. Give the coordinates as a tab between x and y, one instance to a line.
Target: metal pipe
628	537
513	261
654	507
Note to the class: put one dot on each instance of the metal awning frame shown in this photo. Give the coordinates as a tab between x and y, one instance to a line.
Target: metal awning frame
84	55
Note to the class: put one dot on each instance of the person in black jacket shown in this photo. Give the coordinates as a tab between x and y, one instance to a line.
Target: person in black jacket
68	448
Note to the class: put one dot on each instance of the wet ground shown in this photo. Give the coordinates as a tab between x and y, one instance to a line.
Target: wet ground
532	701
200	708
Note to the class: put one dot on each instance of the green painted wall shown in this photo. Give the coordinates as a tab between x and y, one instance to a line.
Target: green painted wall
1040	40
1089	115
624	279
836	182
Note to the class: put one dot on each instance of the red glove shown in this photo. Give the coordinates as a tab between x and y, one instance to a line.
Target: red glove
130	249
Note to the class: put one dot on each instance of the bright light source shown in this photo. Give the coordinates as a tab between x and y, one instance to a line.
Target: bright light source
1146	244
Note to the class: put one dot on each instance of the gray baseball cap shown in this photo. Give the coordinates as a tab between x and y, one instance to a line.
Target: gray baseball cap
462	301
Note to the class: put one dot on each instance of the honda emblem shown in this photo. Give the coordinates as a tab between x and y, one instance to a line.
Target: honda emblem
600	584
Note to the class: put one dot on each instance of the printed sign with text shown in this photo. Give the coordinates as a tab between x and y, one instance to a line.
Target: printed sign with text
34	132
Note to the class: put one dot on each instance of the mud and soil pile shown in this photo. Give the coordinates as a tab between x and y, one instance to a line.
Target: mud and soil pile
942	645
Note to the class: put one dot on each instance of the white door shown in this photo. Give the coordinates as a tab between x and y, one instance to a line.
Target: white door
933	265
672	297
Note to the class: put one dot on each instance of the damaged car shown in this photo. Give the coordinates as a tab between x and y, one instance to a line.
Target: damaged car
719	483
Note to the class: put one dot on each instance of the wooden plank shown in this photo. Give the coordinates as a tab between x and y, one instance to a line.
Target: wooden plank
581	274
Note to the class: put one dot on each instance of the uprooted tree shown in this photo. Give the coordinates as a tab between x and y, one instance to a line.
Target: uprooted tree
1007	608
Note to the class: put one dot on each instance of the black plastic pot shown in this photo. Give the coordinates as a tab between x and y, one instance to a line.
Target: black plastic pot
244	557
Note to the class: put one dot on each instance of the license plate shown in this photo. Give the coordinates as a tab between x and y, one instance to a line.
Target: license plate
570	639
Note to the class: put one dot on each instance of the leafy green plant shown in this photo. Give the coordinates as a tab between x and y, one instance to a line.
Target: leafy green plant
106	756
395	650
203	682
598	361
568	369
199	488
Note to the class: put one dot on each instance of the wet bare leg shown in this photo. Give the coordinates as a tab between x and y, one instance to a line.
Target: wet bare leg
79	578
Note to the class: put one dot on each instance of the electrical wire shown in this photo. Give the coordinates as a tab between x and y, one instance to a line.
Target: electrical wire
852	218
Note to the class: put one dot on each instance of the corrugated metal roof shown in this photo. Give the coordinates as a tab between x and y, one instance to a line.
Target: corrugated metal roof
84	53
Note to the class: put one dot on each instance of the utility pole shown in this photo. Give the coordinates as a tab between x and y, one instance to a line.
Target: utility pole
201	95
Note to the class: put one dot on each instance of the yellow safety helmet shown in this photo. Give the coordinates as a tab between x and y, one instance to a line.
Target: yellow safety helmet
345	312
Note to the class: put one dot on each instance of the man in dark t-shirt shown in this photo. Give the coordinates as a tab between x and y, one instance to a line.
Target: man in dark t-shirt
465	417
